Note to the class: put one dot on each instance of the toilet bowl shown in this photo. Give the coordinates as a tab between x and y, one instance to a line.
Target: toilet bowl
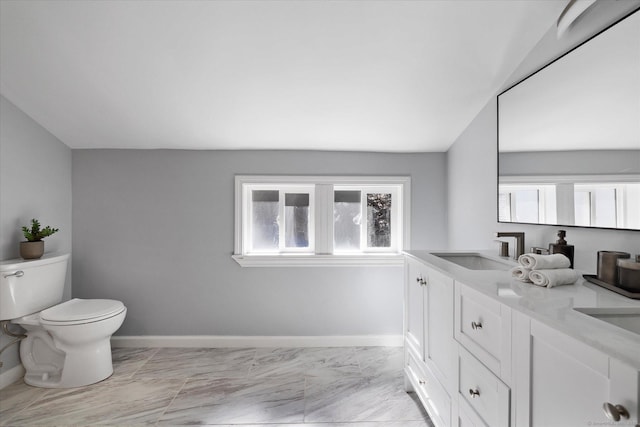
67	344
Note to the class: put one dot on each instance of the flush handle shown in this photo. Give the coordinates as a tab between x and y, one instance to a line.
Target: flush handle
615	412
18	273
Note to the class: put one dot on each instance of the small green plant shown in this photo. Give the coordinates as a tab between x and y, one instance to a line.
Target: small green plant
35	234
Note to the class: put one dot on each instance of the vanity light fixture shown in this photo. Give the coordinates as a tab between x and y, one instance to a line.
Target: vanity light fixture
574	9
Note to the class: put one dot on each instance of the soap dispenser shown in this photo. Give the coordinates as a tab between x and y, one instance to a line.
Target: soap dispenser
561	246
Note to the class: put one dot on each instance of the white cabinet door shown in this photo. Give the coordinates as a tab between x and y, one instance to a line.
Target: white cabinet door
429	320
439	345
562	382
414	307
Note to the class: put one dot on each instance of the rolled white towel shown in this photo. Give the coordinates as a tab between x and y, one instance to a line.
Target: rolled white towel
521	273
553	277
544	262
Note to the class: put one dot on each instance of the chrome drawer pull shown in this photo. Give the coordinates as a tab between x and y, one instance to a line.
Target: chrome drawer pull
476	325
474	393
615	412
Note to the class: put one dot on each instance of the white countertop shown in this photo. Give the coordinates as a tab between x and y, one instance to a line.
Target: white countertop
551	306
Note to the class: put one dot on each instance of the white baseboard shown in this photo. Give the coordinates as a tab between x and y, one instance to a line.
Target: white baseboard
222	341
11	376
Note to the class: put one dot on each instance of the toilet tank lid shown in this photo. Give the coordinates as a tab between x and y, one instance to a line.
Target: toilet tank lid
19	263
81	309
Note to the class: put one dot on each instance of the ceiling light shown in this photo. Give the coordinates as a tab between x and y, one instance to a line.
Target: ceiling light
574	9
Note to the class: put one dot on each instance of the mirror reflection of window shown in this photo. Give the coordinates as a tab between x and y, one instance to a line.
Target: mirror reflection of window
528	203
582	204
587	203
504	207
597	205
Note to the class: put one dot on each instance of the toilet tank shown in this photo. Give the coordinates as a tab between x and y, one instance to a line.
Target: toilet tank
29	286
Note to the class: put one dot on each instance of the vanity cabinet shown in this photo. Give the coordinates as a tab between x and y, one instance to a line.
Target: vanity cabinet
430	348
563	382
478	354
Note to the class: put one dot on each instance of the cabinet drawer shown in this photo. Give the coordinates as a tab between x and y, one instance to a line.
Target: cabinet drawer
431	393
482	390
483	326
467	417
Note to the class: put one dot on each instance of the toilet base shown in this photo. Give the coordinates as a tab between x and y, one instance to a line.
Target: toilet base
80	367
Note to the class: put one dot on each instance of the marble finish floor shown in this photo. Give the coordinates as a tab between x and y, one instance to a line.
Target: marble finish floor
311	387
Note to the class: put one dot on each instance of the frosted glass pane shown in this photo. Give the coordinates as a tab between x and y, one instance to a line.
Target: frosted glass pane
378	220
605	209
347	218
264	220
526	206
582	207
296	219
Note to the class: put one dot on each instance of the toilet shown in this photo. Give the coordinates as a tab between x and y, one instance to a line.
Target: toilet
68	344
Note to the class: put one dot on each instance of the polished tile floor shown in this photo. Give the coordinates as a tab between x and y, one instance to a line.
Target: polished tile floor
312	387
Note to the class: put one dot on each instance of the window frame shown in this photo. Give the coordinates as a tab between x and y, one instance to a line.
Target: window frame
322	254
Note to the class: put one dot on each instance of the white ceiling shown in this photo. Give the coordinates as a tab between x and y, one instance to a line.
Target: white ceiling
401	76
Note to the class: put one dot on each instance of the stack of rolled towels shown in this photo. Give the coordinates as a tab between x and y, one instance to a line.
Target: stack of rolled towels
545	270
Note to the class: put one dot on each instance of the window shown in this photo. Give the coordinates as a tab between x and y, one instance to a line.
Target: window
306	220
280	219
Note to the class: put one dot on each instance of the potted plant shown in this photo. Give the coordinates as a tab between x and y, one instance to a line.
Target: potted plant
33	248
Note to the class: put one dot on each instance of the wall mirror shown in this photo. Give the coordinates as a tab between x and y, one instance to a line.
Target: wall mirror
569	137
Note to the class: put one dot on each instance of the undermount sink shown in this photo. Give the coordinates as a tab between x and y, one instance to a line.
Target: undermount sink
623	317
474	261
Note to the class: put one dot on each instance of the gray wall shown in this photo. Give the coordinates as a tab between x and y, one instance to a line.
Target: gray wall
155	230
472	163
35	182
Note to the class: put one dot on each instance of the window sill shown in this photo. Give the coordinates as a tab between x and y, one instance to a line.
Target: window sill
396	260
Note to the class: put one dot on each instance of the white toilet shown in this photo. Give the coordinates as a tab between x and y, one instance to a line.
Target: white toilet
68	344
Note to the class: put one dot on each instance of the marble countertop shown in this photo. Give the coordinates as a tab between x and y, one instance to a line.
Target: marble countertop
551	306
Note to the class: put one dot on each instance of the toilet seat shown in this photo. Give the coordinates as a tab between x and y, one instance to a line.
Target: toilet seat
79	311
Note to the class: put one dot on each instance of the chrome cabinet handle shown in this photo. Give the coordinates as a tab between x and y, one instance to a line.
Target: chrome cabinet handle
423	282
422	382
474	393
476	325
615	412
18	273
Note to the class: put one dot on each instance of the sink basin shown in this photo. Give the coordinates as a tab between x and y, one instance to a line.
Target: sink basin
624	317
474	261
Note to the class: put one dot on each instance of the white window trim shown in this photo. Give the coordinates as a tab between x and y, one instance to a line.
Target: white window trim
318	259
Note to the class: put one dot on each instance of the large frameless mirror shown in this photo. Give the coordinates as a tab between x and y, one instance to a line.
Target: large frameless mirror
569	137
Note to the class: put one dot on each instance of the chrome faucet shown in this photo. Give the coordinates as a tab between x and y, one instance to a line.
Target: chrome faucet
519	236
